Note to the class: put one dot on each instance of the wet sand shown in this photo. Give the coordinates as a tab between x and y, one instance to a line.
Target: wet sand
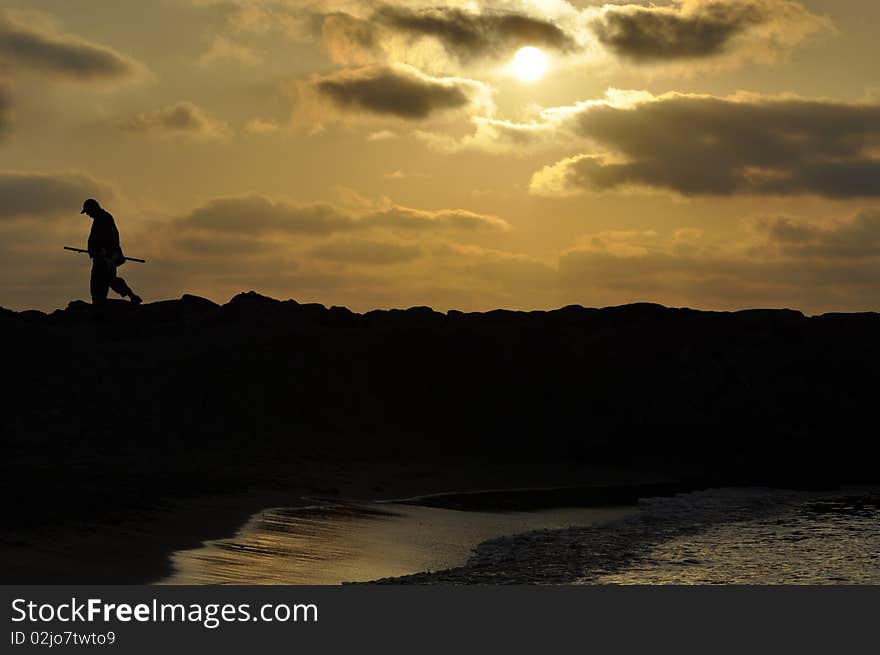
334	544
137	549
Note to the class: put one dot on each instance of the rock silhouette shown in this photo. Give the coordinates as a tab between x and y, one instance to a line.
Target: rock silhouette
124	405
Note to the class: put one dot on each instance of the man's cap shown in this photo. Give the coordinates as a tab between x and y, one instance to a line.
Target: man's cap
91	203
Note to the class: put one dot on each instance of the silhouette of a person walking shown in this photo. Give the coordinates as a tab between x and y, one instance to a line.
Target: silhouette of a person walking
106	254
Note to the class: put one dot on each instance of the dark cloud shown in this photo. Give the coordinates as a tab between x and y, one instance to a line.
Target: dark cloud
5	110
705	145
467	35
698	29
659	33
463	34
372	253
32	47
856	238
257	215
42	195
228	246
182	118
267	239
399	91
785	263
681	30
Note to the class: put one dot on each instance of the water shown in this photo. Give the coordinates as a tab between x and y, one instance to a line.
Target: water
716	536
808	539
338	543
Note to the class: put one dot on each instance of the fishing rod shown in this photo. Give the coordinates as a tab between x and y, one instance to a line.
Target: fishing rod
128	259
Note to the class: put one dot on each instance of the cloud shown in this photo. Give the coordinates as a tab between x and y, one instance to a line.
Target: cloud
405	218
348	39
546	128
399	91
5	110
377	254
854	238
467	35
775	262
291	18
33	45
516	273
225	49
723	31
709	145
257	215
46	195
227	246
181	119
464	35
261	126
367	252
698	29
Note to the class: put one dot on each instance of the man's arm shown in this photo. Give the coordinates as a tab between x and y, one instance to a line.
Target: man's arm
104	237
112	236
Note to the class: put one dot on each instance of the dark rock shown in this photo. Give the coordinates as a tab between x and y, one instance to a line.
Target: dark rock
31	315
181	392
251	300
197	302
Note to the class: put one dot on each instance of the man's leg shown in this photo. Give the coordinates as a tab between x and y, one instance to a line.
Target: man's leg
100	282
119	286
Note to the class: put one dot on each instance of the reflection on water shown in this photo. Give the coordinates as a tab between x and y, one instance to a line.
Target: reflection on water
833	540
354	543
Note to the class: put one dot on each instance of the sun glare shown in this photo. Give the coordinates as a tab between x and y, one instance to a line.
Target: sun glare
529	64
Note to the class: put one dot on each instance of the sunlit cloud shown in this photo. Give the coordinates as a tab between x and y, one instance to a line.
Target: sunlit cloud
547	127
261	126
381	135
256	214
183	119
224	49
700	29
399	91
466	34
453	37
461	34
708	145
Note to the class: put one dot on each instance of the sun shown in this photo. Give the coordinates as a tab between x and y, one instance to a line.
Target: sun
529	64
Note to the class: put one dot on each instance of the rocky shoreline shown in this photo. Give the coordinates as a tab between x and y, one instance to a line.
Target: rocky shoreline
123	407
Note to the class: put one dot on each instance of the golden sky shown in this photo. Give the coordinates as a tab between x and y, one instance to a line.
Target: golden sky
718	154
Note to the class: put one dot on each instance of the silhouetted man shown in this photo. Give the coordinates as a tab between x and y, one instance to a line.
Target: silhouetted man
106	254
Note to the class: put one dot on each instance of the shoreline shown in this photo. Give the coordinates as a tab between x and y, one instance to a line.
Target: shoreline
138	549
604	554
